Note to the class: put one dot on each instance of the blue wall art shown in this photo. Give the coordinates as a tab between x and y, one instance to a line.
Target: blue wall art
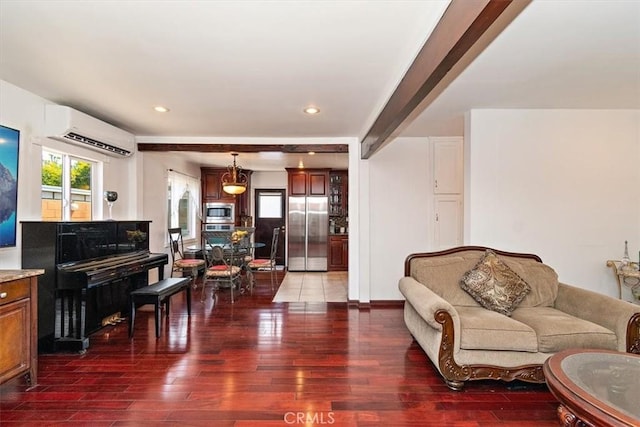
9	150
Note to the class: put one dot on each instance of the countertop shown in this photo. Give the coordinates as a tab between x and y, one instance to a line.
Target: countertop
9	275
339	234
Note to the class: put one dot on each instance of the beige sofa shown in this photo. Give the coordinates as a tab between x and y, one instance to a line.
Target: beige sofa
466	341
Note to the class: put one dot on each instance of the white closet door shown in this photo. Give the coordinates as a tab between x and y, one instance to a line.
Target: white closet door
447	167
448	222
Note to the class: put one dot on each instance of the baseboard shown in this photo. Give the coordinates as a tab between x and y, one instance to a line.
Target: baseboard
376	304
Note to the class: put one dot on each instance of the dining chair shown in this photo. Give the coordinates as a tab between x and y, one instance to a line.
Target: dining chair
244	246
267	264
220	254
178	262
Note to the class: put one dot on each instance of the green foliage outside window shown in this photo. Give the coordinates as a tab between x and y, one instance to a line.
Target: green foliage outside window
51	173
80	174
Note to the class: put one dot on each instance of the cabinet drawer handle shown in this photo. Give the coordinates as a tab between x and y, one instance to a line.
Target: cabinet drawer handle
3	295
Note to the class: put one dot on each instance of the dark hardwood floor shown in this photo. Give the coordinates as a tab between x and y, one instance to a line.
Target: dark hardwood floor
257	363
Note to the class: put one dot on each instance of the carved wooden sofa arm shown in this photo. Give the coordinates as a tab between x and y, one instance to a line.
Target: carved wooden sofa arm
633	334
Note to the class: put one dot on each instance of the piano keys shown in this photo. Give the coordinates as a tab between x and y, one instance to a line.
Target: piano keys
90	269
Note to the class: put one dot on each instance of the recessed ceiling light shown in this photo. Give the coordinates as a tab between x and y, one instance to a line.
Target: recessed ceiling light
312	110
161	109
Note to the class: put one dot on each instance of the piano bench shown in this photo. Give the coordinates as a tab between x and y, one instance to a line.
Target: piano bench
156	294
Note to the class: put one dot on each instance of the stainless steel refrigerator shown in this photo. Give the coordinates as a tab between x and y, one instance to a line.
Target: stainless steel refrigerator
308	233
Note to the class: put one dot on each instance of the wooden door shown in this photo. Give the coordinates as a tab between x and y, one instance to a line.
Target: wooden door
270	213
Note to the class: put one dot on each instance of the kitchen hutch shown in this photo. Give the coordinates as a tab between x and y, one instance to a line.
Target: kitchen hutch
338	214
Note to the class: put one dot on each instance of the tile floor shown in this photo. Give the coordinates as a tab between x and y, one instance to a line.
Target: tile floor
313	287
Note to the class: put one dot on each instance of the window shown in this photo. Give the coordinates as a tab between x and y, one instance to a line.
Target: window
67	190
270	205
183	201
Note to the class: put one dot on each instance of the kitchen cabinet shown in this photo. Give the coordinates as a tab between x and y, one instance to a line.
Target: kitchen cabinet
212	190
308	182
19	325
339	193
338	252
212	186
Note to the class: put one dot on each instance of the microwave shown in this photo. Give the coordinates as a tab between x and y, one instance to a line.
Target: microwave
219	212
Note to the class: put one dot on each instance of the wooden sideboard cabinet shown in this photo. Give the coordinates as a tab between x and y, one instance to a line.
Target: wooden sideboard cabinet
19	325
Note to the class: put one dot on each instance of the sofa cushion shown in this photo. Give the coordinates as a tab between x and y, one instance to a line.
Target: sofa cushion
494	285
542	279
441	275
482	329
557	330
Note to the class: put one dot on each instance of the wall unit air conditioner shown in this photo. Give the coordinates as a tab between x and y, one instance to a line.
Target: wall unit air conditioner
69	125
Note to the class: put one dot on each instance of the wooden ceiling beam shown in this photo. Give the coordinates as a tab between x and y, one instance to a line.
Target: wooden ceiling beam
459	29
246	148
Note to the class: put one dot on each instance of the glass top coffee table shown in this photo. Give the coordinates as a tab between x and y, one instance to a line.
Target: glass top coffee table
595	387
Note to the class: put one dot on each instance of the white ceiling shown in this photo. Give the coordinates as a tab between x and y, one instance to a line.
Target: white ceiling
246	69
578	54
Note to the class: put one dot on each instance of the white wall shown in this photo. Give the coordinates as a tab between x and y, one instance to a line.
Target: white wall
24	111
399	198
153	203
269	179
266	180
563	184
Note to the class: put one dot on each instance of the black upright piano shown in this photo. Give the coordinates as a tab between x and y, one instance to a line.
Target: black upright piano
90	269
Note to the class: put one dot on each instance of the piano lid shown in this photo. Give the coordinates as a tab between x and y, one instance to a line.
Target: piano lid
82	241
86	274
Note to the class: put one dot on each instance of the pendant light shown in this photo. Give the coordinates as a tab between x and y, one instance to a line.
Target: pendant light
234	181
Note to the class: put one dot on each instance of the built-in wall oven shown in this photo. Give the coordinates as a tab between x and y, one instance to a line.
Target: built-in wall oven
219	213
219	227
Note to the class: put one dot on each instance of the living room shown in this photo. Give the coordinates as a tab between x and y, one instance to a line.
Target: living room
591	169
555	178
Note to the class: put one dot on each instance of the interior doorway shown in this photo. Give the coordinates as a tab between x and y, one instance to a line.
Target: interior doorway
270	213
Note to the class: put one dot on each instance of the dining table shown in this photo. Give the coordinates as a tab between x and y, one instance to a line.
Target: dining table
237	254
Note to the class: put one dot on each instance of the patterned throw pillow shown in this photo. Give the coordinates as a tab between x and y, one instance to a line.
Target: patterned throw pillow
494	285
